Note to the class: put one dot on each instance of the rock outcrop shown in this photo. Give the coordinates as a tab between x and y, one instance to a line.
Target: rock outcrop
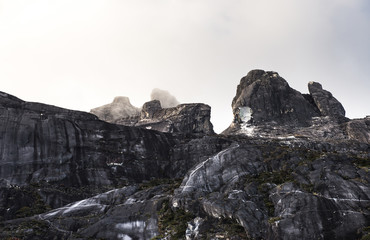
185	118
359	129
192	118
324	100
266	106
119	108
265	97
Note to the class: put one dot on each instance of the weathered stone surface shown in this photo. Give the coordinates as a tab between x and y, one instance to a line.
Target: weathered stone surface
150	108
359	129
324	100
117	214
45	143
265	97
118	109
276	192
63	155
261	108
69	155
184	118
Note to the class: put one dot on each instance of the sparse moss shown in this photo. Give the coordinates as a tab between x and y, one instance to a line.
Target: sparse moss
173	223
32	229
233	228
274	219
308	187
264	180
366	237
363	163
224	228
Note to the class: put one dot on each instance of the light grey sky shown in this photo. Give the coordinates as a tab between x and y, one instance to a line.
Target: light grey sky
80	54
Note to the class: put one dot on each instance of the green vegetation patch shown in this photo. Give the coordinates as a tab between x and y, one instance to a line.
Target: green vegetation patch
32	229
172	223
264	179
172	184
362	162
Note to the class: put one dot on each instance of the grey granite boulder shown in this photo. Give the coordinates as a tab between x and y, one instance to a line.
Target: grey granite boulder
324	100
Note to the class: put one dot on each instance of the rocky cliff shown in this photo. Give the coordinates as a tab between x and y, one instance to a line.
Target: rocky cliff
184	118
291	166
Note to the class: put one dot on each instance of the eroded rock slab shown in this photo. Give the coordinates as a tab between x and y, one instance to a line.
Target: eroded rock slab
324	100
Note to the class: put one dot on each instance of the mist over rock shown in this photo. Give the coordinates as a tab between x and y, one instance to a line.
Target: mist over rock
119	108
167	100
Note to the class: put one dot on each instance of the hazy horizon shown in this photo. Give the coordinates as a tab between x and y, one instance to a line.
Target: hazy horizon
81	54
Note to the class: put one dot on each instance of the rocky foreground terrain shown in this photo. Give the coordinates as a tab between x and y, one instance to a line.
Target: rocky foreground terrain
290	166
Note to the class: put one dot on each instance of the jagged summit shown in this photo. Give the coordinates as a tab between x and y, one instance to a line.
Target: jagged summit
121	100
266	106
325	102
119	108
265	96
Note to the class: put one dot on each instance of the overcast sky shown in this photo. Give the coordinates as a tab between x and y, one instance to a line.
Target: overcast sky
80	54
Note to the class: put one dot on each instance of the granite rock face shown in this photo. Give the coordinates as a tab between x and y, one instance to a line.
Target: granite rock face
271	175
265	96
45	143
275	192
324	100
185	118
266	106
359	129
